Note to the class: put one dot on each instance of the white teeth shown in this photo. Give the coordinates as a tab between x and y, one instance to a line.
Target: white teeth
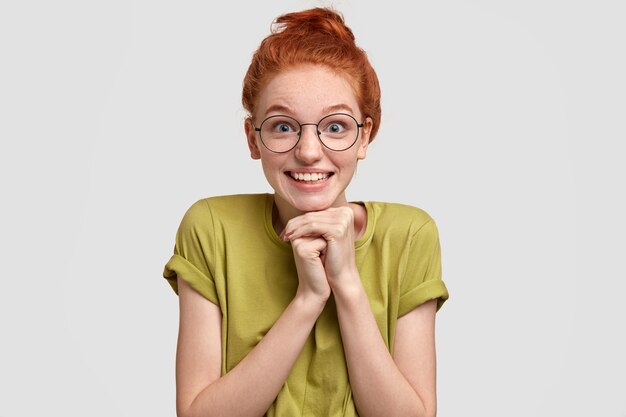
307	176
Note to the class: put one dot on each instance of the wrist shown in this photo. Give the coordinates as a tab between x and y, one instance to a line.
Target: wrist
310	303
347	287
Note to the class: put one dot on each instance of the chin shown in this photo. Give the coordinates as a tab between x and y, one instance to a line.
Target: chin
313	207
313	203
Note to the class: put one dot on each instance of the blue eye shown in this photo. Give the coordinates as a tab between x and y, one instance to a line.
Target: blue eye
335	128
337	125
283	128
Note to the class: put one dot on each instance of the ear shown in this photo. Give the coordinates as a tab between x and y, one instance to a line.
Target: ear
365	137
255	152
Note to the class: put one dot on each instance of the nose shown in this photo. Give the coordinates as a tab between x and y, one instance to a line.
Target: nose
309	148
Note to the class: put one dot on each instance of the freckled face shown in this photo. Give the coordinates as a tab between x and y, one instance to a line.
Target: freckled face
308	93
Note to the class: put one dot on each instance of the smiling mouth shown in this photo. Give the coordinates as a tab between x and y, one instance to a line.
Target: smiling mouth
309	176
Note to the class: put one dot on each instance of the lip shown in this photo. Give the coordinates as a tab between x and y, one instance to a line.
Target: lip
309	170
311	186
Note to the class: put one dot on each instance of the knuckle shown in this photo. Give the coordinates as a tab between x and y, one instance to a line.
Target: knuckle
345	213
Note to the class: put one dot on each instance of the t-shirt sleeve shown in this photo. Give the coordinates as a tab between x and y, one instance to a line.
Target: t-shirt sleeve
194	252
422	280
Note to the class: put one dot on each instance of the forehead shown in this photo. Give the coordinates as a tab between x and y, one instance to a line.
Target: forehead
307	91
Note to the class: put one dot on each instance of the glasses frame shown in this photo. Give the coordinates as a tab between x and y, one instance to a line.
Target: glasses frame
317	131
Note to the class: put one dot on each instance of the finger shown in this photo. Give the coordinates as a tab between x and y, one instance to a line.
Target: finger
329	224
309	247
327	230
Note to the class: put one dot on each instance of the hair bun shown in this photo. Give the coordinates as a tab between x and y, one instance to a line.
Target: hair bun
313	22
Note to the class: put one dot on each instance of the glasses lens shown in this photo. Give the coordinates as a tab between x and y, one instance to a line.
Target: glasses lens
338	131
279	133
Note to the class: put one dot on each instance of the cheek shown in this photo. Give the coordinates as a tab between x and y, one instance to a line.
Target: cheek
271	165
347	162
267	168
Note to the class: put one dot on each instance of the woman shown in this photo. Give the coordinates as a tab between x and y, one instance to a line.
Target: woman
300	302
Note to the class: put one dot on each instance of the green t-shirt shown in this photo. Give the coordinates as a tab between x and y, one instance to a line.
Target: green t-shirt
227	250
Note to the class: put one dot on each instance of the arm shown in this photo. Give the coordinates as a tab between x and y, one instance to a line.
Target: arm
250	388
382	385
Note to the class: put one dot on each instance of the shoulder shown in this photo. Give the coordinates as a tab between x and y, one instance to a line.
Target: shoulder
226	211
403	218
226	204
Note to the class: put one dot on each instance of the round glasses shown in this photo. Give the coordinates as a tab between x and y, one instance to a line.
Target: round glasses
337	132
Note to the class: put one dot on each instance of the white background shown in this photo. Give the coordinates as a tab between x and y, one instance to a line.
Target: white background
504	120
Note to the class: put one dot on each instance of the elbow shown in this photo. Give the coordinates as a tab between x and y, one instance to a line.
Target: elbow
428	405
426	410
430	411
182	412
420	410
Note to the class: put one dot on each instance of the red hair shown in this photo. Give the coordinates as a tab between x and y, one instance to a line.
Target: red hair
316	36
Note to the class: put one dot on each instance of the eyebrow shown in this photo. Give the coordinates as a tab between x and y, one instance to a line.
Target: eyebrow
338	107
280	108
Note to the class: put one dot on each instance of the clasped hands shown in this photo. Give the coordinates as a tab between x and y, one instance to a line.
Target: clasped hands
323	247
